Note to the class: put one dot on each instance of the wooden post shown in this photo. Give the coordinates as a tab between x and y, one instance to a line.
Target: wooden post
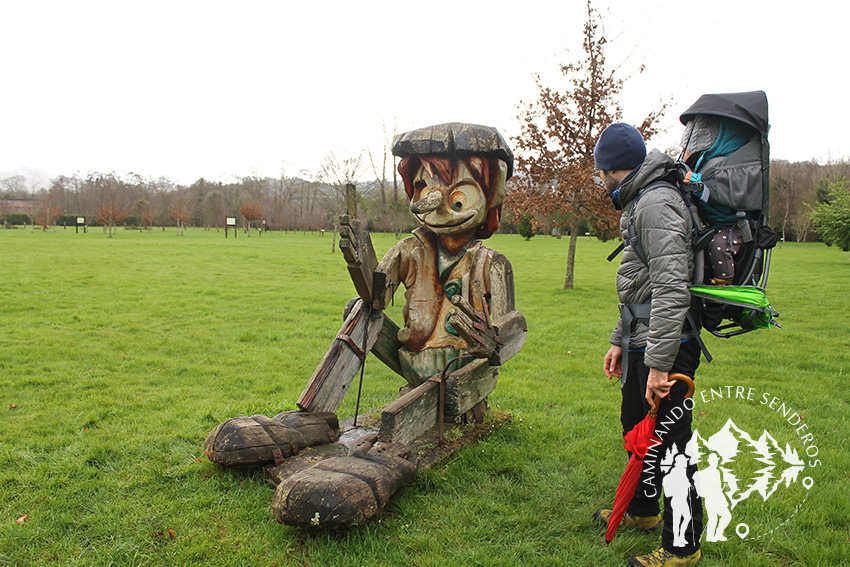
351	200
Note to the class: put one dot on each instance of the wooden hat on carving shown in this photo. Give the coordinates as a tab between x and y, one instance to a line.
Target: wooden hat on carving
454	138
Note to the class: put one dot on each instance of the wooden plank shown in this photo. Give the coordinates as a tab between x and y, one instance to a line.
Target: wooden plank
415	413
410	416
469	385
327	387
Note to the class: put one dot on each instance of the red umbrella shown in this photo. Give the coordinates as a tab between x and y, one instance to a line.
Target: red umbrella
638	442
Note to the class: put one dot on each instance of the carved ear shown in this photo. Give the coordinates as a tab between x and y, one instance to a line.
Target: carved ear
499	180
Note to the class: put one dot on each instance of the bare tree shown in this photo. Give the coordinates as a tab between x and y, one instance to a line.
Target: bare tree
213	209
48	210
15	186
148	214
337	174
381	175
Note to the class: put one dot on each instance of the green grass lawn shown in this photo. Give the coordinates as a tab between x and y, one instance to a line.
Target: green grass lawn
118	356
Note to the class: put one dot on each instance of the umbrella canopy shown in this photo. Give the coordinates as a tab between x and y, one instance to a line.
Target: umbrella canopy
638	442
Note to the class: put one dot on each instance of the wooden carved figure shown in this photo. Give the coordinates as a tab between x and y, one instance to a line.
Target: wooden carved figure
460	324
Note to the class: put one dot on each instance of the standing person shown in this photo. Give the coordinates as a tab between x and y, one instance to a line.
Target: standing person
652	338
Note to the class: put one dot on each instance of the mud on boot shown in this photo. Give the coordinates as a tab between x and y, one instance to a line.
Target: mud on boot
344	491
260	440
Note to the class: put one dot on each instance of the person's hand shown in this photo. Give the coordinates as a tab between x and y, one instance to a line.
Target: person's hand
657	385
613	365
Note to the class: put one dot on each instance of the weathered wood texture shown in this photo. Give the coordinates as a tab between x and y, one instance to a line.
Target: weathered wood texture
451	138
412	415
344	491
359	254
351	439
415	413
468	386
329	383
259	440
502	298
512	331
387	345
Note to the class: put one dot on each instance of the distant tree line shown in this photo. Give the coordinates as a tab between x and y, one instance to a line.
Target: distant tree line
797	189
298	203
284	203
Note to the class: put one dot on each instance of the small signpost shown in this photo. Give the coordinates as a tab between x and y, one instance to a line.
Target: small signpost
228	222
81	222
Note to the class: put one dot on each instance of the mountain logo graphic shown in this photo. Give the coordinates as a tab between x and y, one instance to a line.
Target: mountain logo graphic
733	466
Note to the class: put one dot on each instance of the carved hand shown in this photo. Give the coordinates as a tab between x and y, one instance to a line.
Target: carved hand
356	246
475	328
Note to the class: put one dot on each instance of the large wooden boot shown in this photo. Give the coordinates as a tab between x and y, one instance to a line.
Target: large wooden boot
260	440
344	491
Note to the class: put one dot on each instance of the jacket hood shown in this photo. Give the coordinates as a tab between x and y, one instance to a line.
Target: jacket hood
652	168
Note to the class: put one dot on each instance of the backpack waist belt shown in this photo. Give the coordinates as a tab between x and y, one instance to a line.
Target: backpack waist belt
630	313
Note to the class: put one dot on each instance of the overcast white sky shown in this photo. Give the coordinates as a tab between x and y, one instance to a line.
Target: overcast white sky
190	89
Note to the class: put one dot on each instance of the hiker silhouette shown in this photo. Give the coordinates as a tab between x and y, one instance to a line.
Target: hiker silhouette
716	503
677	485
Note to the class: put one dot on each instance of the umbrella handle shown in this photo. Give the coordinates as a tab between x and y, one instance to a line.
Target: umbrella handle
674	378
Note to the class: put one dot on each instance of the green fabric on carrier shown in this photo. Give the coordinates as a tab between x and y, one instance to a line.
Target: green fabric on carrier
747	297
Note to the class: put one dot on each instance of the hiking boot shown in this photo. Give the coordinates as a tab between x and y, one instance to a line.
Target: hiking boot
663	558
650	523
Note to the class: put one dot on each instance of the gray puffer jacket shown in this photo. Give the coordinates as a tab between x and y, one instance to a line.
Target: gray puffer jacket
663	226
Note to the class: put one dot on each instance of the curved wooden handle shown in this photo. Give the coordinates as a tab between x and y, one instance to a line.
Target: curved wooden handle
674	378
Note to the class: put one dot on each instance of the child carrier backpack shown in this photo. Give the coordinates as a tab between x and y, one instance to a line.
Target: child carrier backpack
723	177
726	152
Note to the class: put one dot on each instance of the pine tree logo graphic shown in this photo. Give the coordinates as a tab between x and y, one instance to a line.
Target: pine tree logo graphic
733	466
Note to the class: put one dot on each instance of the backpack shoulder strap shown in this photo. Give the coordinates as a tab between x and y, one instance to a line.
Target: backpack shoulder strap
632	234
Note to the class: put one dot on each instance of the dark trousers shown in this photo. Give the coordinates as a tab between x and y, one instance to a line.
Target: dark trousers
673	427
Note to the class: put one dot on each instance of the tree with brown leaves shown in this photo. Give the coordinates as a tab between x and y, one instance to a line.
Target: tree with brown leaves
556	178
251	212
179	211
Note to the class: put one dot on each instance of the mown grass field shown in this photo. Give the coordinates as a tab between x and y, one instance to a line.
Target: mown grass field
118	356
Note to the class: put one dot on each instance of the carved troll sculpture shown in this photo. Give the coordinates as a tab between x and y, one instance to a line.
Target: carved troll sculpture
459	303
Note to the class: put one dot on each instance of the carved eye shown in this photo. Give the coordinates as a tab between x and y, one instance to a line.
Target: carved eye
419	185
457	200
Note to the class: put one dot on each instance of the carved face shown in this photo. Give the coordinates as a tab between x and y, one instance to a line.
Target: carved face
453	208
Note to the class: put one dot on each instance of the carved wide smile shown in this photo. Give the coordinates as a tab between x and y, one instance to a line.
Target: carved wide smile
447	225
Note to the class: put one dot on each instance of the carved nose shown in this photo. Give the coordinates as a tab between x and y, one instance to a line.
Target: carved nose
427	203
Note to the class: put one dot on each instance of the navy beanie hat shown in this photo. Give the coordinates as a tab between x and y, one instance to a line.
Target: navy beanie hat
620	146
